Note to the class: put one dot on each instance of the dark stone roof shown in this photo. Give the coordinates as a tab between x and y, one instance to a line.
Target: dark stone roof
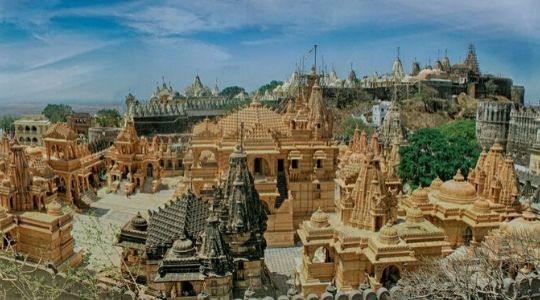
242	210
214	253
185	215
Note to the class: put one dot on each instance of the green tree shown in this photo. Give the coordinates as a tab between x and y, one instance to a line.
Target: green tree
231	91
108	117
6	123
57	112
430	154
350	123
270	86
460	128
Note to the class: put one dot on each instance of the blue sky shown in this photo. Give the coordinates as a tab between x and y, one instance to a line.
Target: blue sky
75	51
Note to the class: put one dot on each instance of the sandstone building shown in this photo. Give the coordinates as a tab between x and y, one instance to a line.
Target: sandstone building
31	220
377	232
30	130
76	165
291	155
192	247
513	125
81	123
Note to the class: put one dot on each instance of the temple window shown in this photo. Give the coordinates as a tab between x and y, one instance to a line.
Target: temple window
319	163
257	165
294	164
468	236
390	277
187	289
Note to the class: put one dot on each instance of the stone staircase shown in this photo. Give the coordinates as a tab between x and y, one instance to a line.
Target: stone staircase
89	197
147	188
282	188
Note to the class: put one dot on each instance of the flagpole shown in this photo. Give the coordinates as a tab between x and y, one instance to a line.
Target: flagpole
315	47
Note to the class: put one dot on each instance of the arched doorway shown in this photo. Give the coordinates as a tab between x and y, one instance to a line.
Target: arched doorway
257	165
187	289
261	166
149	170
390	277
467	236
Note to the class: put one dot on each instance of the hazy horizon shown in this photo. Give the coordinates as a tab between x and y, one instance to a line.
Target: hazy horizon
96	52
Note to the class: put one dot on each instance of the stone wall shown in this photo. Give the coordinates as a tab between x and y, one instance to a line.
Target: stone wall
522	134
492	122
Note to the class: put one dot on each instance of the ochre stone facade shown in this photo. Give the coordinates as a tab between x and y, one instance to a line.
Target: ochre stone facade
77	165
31	220
292	157
377	232
81	123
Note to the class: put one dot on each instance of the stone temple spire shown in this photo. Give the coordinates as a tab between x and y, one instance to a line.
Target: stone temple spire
242	212
471	61
319	118
214	254
374	205
397	68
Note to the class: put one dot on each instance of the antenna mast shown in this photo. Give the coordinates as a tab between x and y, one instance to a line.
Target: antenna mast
315	48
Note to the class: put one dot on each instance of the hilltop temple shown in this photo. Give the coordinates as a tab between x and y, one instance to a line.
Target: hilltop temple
32	222
192	247
291	155
377	232
167	111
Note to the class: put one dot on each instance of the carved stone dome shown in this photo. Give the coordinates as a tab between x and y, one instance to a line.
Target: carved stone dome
139	223
481	206
319	219
436	183
388	234
420	195
414	215
528	222
55	209
183	247
458	190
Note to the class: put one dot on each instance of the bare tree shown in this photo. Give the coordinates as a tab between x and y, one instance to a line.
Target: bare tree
25	279
504	267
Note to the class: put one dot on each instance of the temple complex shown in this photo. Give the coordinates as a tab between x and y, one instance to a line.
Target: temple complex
77	166
169	112
194	247
32	222
444	77
138	164
291	155
377	232
468	209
